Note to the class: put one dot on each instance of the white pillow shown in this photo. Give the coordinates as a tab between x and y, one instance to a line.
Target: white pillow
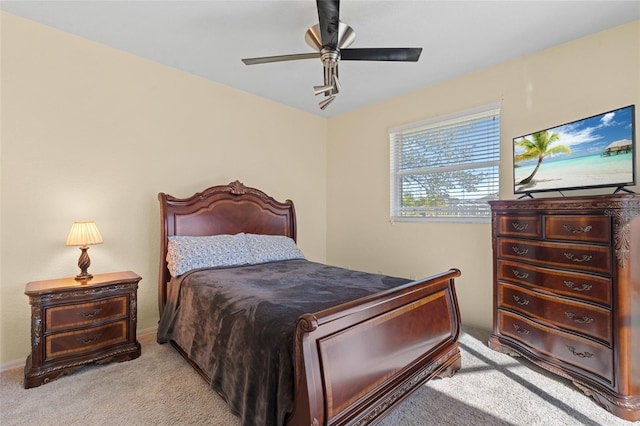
186	253
271	248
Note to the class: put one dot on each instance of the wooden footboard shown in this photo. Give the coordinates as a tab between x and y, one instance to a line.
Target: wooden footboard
356	361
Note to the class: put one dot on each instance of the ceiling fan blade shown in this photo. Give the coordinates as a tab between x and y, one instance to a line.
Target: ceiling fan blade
404	54
280	58
329	20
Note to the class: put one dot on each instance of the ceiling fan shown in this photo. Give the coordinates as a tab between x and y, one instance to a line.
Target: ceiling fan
331	39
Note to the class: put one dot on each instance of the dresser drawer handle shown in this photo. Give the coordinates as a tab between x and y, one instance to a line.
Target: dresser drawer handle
520	251
572	257
521	300
520	330
584	354
583	320
582	230
90	314
519	226
584	287
521	275
88	340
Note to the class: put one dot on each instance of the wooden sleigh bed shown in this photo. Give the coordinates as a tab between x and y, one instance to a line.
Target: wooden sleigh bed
352	363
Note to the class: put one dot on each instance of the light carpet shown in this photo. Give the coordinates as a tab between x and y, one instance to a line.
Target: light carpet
160	388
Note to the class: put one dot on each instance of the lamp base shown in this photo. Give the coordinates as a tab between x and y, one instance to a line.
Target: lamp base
83	263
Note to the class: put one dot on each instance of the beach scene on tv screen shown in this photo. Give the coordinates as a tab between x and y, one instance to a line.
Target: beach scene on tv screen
595	151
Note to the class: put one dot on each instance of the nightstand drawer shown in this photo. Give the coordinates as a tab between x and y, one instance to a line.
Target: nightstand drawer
595	229
86	340
81	314
589	320
577	285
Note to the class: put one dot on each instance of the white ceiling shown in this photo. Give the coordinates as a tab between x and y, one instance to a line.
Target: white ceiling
209	38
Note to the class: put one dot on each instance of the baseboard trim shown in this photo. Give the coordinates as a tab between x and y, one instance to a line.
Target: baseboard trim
147	331
13	364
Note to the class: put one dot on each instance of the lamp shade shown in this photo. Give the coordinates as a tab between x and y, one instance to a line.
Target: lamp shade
84	234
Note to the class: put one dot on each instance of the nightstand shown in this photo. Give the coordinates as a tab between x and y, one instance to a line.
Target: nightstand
74	323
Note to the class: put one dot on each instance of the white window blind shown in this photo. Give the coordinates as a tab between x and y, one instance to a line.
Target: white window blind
447	168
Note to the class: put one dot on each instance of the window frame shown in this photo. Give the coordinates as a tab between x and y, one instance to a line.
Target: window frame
462	117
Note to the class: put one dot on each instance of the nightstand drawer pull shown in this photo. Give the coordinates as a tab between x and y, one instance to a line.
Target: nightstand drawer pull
520	329
521	275
584	354
520	251
88	340
520	300
519	226
582	230
584	258
90	314
584	287
583	320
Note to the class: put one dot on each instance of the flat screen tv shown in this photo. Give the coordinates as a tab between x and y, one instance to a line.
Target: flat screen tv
594	152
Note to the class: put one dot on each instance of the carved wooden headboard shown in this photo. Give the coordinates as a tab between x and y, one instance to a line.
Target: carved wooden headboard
223	209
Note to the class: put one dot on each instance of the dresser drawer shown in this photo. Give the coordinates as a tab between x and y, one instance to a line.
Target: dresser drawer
522	226
586	319
81	314
587	228
582	353
573	256
578	285
86	340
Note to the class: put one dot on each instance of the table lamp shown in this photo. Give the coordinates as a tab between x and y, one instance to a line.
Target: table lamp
84	234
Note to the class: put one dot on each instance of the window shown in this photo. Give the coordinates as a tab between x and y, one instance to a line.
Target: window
446	169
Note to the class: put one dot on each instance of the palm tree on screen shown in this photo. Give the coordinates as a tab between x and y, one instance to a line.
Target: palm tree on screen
539	146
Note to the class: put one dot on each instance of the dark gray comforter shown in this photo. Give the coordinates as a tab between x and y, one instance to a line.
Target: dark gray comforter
238	324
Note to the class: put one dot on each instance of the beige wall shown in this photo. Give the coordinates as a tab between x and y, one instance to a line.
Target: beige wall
561	84
91	133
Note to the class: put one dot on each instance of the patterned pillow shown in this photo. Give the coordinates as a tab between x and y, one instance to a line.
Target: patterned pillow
270	248
187	253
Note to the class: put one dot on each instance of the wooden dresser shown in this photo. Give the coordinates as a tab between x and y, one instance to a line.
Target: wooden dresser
74	323
567	291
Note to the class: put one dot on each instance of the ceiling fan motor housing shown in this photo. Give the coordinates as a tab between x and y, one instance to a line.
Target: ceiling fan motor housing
346	37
